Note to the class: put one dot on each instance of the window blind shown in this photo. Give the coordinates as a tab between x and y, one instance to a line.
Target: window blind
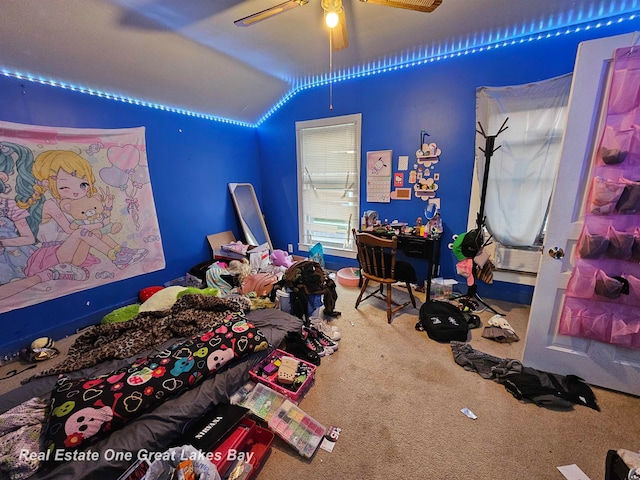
329	183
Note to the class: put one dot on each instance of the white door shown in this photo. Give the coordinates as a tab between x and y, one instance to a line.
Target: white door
597	363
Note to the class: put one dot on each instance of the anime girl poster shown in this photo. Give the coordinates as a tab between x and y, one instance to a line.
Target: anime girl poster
76	211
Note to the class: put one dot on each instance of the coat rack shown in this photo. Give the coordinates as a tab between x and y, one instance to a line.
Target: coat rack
488	150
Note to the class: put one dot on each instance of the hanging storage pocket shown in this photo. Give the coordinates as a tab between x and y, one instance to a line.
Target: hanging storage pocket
585	323
620	244
582	283
633	296
624	94
629	201
625	332
609	287
592	245
605	195
614	146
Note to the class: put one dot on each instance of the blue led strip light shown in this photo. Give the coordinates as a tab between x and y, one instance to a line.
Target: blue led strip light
398	62
120	98
425	55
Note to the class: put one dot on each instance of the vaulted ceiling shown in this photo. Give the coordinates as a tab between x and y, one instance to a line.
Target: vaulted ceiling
189	55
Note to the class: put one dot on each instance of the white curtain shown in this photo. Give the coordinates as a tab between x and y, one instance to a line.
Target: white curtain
523	166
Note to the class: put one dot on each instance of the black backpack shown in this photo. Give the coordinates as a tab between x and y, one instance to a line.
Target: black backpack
443	321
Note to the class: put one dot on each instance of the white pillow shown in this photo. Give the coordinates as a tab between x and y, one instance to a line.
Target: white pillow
162	299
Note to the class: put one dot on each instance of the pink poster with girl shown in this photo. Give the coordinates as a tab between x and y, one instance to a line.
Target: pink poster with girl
76	211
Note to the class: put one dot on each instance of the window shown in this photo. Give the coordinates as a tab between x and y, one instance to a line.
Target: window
329	183
522	168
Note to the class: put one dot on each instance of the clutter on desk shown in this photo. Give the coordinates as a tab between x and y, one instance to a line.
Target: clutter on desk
432	229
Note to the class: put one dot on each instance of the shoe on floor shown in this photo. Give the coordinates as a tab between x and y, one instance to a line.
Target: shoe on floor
330	331
296	346
320	339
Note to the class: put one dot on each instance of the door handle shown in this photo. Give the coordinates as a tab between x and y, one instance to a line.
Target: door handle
556	252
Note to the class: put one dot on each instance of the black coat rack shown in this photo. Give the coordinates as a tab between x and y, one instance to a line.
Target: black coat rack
488	150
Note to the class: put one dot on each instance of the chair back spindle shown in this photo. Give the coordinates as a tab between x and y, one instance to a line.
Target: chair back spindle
377	258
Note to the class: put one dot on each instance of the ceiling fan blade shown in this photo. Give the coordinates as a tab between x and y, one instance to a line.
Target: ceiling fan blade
339	39
269	12
417	5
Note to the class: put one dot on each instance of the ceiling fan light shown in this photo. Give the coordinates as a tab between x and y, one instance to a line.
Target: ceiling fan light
331	19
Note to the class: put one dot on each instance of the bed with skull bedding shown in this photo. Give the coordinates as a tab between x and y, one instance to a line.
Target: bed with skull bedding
122	406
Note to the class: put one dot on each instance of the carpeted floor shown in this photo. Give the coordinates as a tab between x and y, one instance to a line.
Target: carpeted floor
396	395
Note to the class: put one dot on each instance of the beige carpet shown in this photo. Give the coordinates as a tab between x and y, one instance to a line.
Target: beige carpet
397	396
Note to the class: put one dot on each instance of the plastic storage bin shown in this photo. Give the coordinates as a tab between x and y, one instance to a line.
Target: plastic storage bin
266	372
262	401
297	428
245	449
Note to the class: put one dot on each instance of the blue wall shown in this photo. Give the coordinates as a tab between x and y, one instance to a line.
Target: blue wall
396	106
190	163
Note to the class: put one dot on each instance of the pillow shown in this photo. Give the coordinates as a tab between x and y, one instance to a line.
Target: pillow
162	299
84	410
121	314
147	292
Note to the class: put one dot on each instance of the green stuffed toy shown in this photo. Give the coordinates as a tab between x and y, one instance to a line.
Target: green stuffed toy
212	291
122	314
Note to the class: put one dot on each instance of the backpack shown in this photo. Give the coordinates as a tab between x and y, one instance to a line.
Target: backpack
443	321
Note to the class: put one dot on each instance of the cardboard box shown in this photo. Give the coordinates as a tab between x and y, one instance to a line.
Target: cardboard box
216	240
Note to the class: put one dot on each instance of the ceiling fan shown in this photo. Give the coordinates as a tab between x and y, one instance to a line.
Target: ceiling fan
335	16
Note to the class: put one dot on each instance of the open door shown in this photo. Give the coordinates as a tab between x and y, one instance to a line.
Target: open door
598	363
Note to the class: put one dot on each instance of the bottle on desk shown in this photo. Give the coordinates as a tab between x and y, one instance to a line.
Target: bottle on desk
419	230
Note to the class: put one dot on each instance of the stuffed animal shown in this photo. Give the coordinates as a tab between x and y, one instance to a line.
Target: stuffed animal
240	268
280	258
89	211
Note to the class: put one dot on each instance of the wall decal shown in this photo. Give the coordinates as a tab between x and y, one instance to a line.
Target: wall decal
379	176
398	179
401	194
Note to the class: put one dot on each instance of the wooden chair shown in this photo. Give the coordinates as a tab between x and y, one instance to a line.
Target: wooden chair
377	257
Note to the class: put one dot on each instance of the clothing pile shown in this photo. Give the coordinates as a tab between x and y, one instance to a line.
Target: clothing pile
309	287
526	383
500	330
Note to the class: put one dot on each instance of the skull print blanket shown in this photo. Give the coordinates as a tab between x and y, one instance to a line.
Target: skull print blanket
80	409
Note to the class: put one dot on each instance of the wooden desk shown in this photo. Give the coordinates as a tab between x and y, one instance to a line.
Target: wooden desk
414	246
426	248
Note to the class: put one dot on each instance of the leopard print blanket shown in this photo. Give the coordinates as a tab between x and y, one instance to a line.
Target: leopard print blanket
190	315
